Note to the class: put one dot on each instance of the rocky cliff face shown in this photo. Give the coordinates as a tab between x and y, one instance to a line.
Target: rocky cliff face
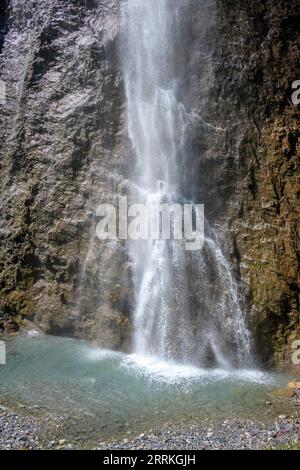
59	149
257	61
62	151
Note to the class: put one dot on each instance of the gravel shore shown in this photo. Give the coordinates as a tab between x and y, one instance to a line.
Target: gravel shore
20	432
228	434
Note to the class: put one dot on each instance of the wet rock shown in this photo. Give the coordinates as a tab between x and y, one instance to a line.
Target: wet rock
60	148
259	153
294	385
10	326
284	393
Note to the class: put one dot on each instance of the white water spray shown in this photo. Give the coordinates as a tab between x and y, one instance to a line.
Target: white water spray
186	304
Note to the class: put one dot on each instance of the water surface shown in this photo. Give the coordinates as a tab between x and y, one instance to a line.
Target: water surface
112	394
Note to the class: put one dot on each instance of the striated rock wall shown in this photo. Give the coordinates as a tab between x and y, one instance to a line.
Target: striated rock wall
59	146
258	162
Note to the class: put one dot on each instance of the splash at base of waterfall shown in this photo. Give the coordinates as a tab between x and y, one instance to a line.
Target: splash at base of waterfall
153	368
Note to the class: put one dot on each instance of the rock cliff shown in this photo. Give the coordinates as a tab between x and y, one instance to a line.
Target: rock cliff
59	149
257	62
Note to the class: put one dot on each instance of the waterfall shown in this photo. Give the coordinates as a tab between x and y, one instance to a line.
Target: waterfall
186	303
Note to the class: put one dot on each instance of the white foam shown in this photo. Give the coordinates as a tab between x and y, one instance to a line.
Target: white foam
163	371
254	375
155	368
33	333
159	370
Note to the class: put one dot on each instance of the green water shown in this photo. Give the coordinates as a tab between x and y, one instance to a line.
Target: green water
112	394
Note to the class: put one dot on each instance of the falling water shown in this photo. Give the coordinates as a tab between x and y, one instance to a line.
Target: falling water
186	303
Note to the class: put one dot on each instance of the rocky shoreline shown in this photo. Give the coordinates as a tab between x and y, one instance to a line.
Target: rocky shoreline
223	435
20	431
